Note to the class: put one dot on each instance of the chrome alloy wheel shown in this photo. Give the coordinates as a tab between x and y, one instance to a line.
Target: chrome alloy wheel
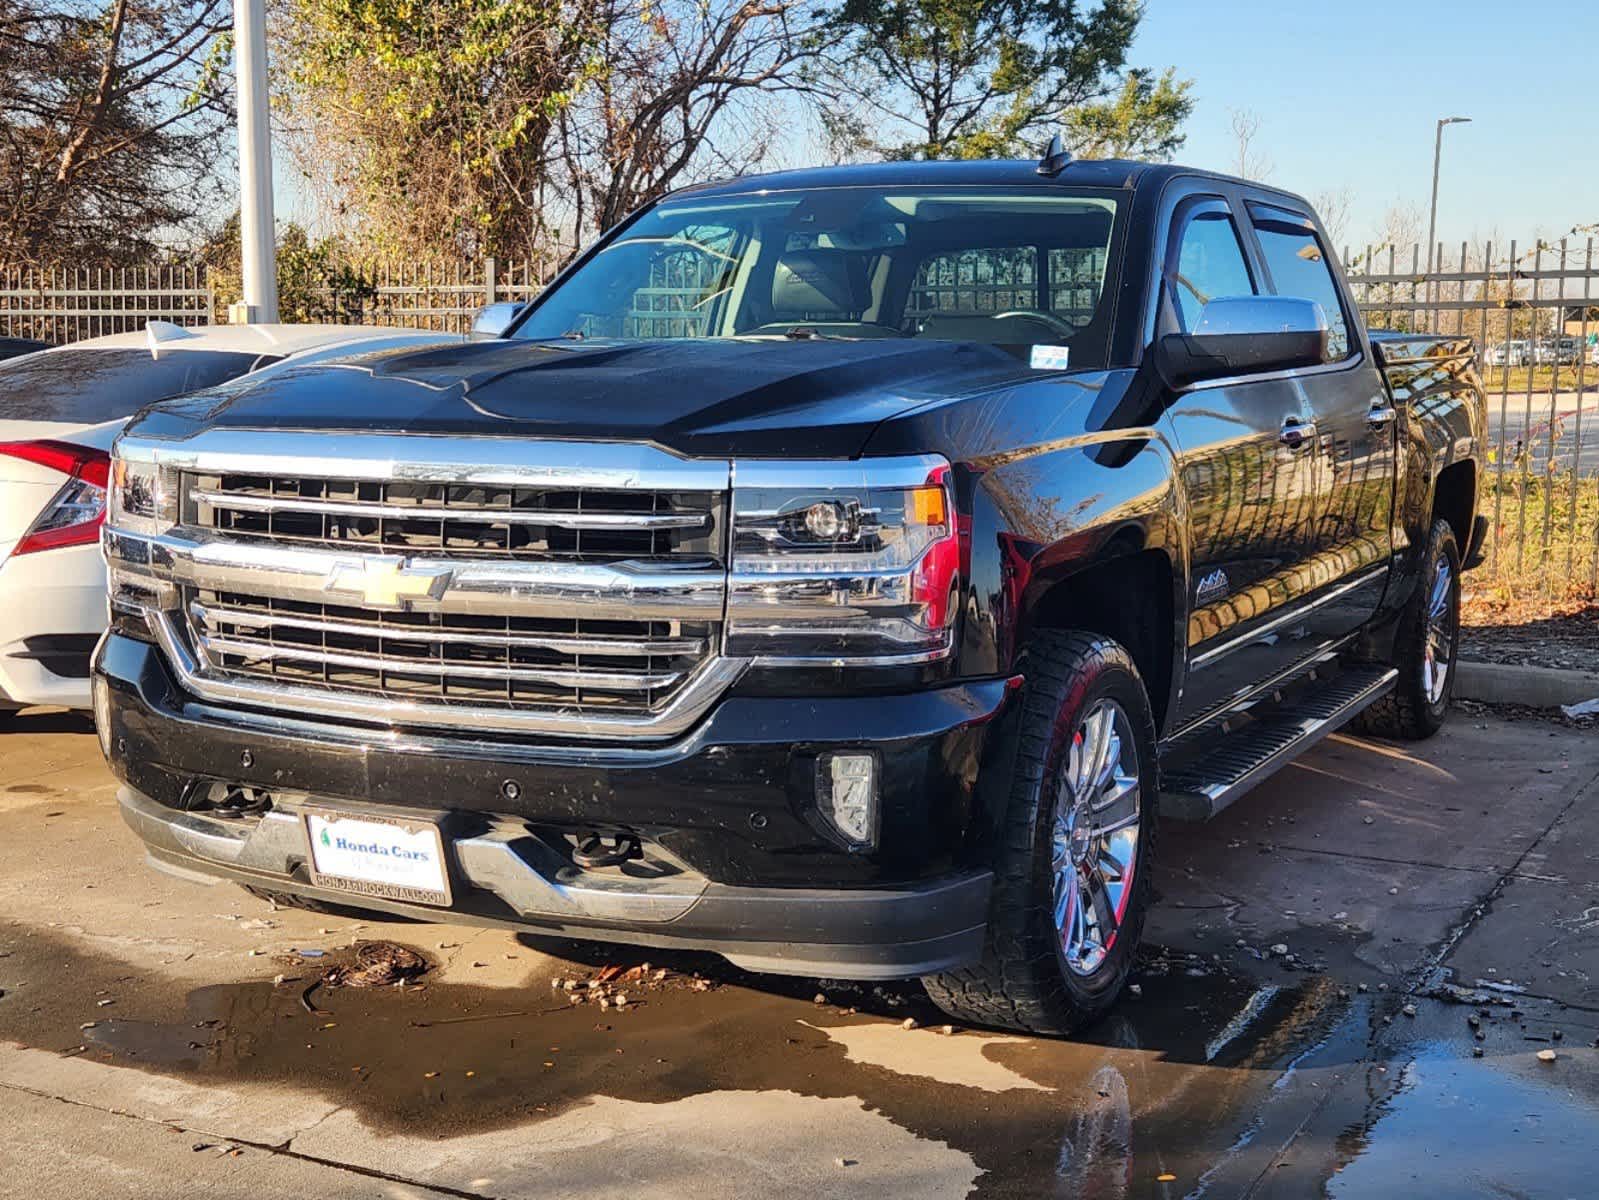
1094	843
1441	620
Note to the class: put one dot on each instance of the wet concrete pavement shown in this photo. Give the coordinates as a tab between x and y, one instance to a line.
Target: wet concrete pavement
156	1036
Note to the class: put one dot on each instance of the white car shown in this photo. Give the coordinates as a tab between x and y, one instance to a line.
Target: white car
60	410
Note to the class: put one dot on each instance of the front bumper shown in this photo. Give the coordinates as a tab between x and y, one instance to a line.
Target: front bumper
761	881
860	933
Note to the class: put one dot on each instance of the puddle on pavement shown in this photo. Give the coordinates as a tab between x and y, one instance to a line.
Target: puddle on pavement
1490	1128
1172	1082
1170	1077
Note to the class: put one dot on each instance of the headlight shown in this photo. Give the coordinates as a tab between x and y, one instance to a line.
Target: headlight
852	563
141	501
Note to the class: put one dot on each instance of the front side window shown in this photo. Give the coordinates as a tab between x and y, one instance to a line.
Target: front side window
89	385
975	264
1210	265
1299	267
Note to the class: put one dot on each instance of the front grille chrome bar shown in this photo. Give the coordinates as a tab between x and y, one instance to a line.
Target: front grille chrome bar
599	591
688	704
214	647
210	616
608	521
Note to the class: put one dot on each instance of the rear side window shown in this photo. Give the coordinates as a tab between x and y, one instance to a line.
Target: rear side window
1299	267
1210	266
88	386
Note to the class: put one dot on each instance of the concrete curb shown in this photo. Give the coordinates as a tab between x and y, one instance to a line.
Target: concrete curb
1512	683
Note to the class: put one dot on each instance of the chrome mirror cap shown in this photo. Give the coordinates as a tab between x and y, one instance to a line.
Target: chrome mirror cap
1254	316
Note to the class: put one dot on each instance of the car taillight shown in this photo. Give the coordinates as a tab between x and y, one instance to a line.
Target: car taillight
75	513
843	563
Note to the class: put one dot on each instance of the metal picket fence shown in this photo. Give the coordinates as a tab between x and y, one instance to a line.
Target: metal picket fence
69	305
1532	310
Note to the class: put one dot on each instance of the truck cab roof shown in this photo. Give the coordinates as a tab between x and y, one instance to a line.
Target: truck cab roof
1118	174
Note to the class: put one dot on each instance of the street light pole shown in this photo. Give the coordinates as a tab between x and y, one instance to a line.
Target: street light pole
257	232
1432	216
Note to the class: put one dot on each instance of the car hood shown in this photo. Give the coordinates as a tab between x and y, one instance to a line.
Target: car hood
809	397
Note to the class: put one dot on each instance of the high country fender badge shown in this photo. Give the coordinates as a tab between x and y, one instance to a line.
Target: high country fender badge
1212	587
385	581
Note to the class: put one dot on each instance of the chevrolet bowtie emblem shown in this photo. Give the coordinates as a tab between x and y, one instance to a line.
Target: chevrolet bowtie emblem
386	582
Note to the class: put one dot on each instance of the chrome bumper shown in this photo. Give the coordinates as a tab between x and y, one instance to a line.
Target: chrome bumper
502	878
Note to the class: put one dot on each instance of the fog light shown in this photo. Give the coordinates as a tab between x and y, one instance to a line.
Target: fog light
102	714
847	787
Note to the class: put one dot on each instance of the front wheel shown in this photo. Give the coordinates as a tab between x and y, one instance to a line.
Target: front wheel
1072	868
1425	646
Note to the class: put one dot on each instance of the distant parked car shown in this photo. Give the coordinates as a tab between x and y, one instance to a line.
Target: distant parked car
10	347
1555	352
1510	354
60	410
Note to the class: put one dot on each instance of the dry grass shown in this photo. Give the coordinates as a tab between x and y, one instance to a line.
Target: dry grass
1542	549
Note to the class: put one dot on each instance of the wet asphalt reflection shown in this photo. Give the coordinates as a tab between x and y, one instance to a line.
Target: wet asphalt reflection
1180	1092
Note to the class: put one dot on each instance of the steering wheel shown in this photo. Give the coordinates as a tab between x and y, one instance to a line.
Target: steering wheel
1049	319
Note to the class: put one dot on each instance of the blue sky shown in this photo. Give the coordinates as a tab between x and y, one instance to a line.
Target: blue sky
1347	94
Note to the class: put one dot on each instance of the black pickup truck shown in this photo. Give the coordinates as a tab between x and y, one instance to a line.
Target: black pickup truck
840	570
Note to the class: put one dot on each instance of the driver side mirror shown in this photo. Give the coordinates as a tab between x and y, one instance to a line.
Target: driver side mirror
1244	335
493	320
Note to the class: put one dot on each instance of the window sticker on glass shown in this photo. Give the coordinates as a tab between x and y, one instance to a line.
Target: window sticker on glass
1049	358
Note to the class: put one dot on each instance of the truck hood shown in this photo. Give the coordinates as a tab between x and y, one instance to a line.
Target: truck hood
720	397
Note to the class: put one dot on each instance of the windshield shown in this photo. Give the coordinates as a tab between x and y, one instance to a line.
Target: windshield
1011	268
92	385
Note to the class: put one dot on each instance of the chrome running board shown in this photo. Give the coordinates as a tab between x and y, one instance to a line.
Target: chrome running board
1202	786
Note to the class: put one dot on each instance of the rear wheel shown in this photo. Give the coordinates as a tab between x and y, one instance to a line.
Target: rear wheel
1072	871
1425	647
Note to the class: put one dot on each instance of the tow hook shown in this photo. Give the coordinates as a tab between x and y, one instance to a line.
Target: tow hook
594	851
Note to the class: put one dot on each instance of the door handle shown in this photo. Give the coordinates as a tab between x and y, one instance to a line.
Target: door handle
1295	433
1380	415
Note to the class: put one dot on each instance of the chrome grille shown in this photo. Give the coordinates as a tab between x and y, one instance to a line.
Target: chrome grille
522	585
485	520
572	662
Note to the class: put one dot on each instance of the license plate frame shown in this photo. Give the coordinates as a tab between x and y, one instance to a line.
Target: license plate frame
412	829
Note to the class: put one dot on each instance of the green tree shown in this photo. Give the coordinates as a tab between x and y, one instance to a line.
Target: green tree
993	78
1143	120
431	120
112	119
316	281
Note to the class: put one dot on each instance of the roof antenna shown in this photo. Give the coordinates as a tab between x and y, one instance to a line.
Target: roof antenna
1055	158
156	333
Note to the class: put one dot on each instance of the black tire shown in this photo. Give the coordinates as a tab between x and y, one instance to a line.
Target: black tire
1410	712
1022	981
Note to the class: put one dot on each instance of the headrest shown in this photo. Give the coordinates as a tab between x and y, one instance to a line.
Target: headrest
821	284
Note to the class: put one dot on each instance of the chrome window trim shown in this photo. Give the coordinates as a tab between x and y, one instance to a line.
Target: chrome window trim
1353	362
432	458
703	688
